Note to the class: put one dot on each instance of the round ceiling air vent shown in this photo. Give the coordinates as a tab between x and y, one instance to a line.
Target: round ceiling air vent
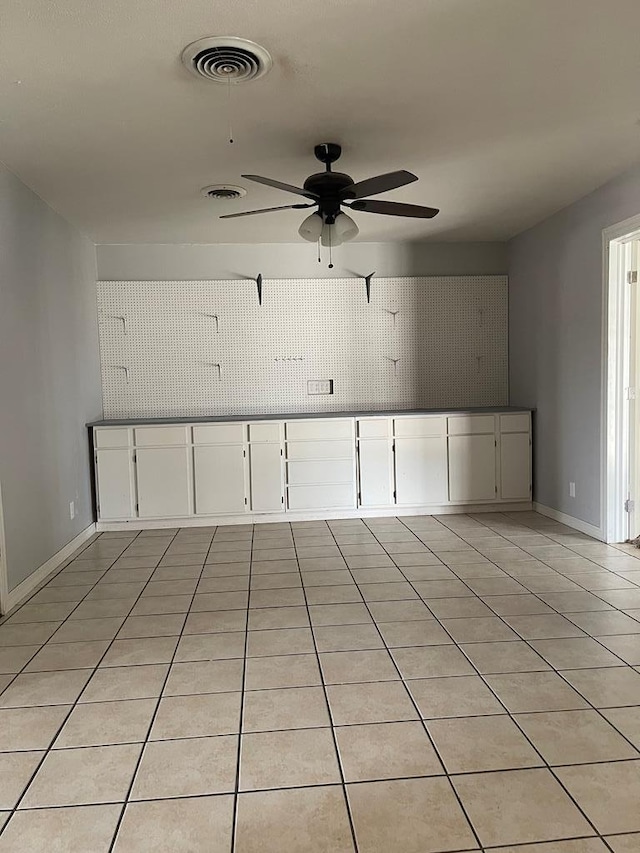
223	192
226	59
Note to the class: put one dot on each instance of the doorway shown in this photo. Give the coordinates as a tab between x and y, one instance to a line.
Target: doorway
621	382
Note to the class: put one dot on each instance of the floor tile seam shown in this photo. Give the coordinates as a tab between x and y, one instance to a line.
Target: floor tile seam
48	641
151	721
45	583
338	758
72	707
527	738
236	786
420	718
506	623
592	707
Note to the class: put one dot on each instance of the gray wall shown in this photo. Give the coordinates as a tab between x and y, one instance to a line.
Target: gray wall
173	262
49	377
555	323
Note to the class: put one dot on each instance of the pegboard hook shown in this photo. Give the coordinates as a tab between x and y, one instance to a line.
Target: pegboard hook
259	283
367	280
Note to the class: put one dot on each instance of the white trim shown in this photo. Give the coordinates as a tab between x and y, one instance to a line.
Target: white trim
4	578
319	515
569	520
41	574
613	470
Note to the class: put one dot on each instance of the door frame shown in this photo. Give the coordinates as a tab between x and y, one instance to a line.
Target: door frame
615	432
4	576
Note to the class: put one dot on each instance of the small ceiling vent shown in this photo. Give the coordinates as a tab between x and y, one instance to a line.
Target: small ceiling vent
226	59
223	192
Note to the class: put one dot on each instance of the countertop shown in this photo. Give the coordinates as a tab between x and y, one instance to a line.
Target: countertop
289	416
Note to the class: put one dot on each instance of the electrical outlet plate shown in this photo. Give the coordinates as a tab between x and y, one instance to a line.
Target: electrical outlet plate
572	490
320	386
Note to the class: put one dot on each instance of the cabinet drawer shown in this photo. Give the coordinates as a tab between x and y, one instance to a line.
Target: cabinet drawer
264	432
321	450
409	427
320	472
472	425
321	497
160	436
327	429
514	423
218	434
111	437
374	428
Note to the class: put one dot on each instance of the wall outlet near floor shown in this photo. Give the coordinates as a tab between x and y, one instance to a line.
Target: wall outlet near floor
320	386
72	509
572	490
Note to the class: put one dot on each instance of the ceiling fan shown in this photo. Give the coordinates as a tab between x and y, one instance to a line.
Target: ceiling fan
330	191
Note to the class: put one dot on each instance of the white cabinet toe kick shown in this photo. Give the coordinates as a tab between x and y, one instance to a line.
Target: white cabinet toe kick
165	475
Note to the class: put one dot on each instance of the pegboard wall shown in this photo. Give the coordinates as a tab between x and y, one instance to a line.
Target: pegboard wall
189	348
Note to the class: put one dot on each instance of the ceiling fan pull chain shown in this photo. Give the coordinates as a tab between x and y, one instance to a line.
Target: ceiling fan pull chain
229	110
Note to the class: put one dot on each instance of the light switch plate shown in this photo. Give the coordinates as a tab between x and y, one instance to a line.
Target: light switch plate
320	386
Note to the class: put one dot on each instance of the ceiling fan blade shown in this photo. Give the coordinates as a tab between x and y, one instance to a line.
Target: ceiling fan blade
394	208
379	184
266	210
278	185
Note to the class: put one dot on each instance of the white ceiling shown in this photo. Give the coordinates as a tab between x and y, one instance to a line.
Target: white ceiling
506	109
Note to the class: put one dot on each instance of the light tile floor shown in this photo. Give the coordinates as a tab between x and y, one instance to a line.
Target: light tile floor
409	685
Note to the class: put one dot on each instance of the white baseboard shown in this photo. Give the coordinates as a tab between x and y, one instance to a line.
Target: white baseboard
320	515
41	574
570	521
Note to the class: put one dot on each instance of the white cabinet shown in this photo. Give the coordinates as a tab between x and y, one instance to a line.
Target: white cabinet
472	468
420	461
320	458
219	479
116	484
164	478
267	486
308	466
266	465
375	466
515	466
375	462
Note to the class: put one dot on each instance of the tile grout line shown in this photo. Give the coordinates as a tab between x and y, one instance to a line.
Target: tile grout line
524	734
553	668
125	803
410	695
153	715
72	705
476	596
236	792
328	706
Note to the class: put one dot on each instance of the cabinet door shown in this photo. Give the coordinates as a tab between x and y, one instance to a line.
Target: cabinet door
218	472
421	470
115	483
515	466
267	487
376	472
163	482
472	468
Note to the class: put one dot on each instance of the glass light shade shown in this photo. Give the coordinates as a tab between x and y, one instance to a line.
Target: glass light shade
311	228
329	236
339	232
345	228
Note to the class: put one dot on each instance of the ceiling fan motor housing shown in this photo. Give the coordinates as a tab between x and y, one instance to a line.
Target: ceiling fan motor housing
329	187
